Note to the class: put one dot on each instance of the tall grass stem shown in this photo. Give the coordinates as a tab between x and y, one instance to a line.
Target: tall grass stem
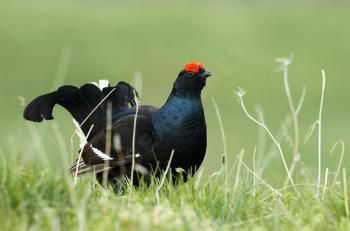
108	144
320	132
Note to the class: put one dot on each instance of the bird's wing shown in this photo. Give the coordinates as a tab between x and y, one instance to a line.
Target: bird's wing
81	102
69	97
122	95
121	153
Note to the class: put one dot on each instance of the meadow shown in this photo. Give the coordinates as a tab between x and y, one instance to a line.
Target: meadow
44	44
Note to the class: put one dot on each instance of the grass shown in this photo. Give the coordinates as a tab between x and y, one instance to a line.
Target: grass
35	198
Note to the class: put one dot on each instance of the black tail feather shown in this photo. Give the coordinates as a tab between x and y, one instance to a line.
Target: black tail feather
40	108
80	102
68	97
73	101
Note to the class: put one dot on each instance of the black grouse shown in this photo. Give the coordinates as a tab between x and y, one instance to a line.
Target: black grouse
178	126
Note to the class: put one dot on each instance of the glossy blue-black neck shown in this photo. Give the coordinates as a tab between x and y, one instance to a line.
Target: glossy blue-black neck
185	94
181	112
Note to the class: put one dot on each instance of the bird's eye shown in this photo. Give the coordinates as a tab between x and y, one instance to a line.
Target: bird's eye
182	72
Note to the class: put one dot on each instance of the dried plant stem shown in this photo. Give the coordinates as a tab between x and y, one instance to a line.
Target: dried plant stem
294	114
301	100
61	143
259	178
320	133
223	137
285	123
164	176
108	144
254	170
341	143
79	157
133	142
287	188
291	169
263	125
238	170
222	130
325	184
62	68
88	116
346	199
38	145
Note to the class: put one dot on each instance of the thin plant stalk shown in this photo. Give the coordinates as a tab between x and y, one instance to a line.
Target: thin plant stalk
61	143
238	170
294	115
341	143
92	112
38	145
254	169
320	132
293	112
261	123
134	141
87	117
287	188
62	67
79	157
346	199
279	137
108	144
223	136
325	184
164	175
259	178
296	159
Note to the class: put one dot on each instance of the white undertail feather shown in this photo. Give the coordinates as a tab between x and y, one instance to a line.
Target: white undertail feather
102	83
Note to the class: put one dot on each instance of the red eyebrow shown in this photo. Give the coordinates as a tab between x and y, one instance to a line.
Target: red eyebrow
193	67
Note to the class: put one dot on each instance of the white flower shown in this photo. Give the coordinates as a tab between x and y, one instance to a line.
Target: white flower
284	62
240	92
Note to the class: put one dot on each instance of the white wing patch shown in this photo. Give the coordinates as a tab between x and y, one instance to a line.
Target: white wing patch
101	154
81	135
104	156
83	142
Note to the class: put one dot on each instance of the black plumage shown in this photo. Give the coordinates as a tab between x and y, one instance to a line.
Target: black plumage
178	125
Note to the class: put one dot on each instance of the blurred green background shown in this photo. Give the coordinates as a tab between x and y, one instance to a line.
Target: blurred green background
44	44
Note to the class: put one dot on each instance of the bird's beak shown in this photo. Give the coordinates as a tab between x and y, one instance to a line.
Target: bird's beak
205	74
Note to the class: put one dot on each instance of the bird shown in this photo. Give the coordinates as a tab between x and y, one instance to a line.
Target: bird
133	139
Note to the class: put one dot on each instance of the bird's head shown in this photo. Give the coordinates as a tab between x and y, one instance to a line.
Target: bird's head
192	78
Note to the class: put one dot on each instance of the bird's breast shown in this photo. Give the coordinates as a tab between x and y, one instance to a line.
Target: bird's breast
180	125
